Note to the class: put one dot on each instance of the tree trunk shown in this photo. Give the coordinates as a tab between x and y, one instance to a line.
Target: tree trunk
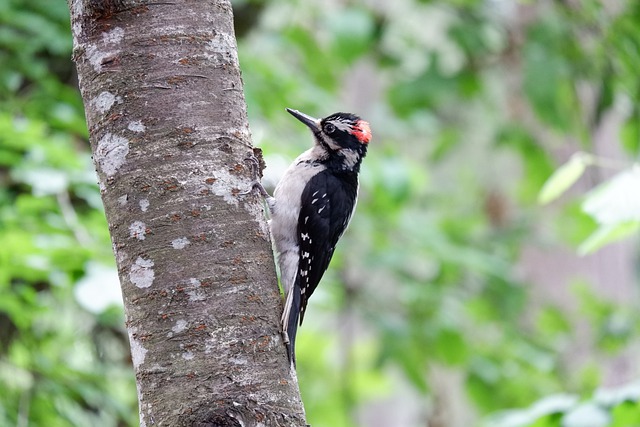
169	134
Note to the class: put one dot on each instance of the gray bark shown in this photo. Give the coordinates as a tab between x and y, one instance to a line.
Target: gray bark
169	134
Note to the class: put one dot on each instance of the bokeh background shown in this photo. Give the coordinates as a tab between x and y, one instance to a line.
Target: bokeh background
465	292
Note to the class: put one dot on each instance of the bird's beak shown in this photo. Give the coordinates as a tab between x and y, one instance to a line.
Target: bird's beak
313	123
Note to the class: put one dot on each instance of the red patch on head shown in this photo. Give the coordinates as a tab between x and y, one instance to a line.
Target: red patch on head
362	131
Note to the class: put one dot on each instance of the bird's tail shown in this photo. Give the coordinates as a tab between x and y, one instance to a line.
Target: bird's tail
290	317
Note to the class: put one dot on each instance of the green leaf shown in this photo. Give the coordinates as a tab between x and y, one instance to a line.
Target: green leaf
608	234
564	177
353	31
630	133
553	322
450	347
626	414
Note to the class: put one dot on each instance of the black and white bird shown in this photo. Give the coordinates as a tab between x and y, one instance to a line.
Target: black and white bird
311	208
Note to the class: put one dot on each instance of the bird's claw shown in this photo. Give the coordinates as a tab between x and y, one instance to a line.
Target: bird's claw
256	169
256	185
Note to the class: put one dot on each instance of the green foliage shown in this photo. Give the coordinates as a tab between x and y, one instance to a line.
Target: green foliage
428	262
564	177
53	365
617	407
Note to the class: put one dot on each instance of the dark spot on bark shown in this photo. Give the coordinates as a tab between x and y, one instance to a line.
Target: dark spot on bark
186	144
114	116
110	61
248	319
237	169
176	80
204	191
210	180
257	153
224	144
200	327
175	217
104	9
195	213
189	61
226	148
235	191
140	9
254	298
238	279
170	184
216	419
260	344
143	337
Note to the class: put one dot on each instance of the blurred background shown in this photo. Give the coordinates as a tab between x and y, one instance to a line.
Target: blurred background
490	275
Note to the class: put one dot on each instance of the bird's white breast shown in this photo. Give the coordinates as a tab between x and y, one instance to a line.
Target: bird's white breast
285	211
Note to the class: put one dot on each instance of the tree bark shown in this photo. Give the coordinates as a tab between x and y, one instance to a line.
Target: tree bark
169	134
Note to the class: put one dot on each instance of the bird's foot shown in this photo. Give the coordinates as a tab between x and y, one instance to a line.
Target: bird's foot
257	164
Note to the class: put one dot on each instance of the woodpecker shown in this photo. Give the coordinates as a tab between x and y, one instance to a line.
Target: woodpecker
311	207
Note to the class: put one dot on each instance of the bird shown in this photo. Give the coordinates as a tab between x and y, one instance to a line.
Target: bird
311	208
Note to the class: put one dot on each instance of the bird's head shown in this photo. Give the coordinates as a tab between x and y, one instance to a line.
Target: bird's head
344	135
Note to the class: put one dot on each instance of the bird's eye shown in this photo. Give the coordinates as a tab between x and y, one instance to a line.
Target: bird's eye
329	128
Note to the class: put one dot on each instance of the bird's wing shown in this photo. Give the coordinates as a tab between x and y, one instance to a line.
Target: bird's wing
327	205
